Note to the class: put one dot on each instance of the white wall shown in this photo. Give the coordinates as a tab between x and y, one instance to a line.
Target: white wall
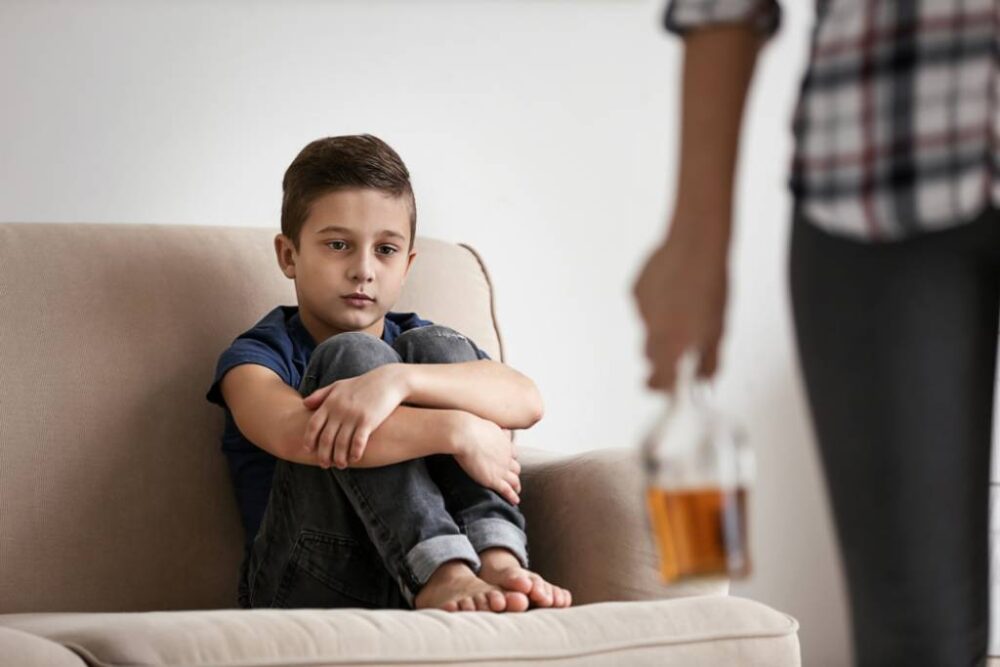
543	133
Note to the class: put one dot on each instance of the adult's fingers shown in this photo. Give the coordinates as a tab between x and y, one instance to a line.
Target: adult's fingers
660	382
665	348
709	359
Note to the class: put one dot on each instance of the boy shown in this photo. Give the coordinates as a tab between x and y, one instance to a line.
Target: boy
388	479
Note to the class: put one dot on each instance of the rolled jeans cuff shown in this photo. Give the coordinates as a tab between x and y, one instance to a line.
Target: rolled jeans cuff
492	532
429	555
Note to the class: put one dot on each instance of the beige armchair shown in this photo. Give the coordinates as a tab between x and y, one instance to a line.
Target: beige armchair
119	534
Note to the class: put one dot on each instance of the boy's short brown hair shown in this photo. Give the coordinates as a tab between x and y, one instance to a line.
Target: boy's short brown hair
335	163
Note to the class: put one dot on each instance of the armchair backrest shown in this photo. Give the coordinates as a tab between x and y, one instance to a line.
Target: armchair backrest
114	495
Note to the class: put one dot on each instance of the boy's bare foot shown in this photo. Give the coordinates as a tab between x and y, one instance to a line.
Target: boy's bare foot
502	568
455	587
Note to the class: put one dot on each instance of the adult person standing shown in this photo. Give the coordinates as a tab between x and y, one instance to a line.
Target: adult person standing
894	271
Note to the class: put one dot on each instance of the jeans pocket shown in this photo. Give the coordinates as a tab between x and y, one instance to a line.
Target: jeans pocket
327	570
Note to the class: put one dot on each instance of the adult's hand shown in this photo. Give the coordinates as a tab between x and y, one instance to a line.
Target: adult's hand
681	297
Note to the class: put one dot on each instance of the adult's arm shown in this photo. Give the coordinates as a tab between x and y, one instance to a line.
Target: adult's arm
681	289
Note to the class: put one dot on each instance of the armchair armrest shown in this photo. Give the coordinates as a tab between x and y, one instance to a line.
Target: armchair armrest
588	529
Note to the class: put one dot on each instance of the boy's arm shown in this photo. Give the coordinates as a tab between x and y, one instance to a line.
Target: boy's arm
486	388
271	414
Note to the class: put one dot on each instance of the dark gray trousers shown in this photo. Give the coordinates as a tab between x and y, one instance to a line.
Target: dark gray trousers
898	346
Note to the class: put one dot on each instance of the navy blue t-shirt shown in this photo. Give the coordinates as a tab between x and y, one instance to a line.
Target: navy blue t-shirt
280	342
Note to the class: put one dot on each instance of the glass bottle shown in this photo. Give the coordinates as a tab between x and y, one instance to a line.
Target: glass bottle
698	469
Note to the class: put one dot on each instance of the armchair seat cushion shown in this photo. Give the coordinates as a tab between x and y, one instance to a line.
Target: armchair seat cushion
27	650
696	630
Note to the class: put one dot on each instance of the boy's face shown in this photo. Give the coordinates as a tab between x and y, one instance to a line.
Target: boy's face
354	241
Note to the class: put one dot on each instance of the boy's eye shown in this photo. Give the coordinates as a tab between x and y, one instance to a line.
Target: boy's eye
388	248
334	242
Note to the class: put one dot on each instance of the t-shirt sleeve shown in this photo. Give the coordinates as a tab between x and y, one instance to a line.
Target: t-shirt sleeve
682	16
246	351
480	354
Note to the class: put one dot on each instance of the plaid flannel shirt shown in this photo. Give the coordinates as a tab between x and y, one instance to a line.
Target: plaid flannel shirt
896	123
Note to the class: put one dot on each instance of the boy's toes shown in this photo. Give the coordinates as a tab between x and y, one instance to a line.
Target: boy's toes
516	601
467	604
518	581
496	600
482	602
541	592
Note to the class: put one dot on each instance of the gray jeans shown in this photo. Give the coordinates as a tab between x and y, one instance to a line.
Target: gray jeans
372	537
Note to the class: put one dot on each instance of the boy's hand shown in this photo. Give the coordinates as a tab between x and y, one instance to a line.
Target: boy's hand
486	453
347	411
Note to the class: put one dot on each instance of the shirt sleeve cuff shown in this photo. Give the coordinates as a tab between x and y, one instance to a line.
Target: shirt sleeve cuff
682	16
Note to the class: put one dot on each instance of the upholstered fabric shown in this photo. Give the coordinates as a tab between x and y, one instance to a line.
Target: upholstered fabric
26	649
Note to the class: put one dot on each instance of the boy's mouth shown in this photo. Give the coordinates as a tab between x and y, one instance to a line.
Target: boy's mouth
359	300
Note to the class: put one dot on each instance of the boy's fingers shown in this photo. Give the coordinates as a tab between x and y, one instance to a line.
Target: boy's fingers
319	393
514	481
510	494
342	445
313	427
358	444
325	447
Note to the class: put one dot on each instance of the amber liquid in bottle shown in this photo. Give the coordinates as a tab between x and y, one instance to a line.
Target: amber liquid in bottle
700	532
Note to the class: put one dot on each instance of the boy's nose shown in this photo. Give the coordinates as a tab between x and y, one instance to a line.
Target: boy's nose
361	270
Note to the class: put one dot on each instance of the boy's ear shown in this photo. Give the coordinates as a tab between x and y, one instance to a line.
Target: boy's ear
409	263
286	255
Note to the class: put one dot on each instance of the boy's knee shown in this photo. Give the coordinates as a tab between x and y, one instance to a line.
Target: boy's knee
350	354
434	343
